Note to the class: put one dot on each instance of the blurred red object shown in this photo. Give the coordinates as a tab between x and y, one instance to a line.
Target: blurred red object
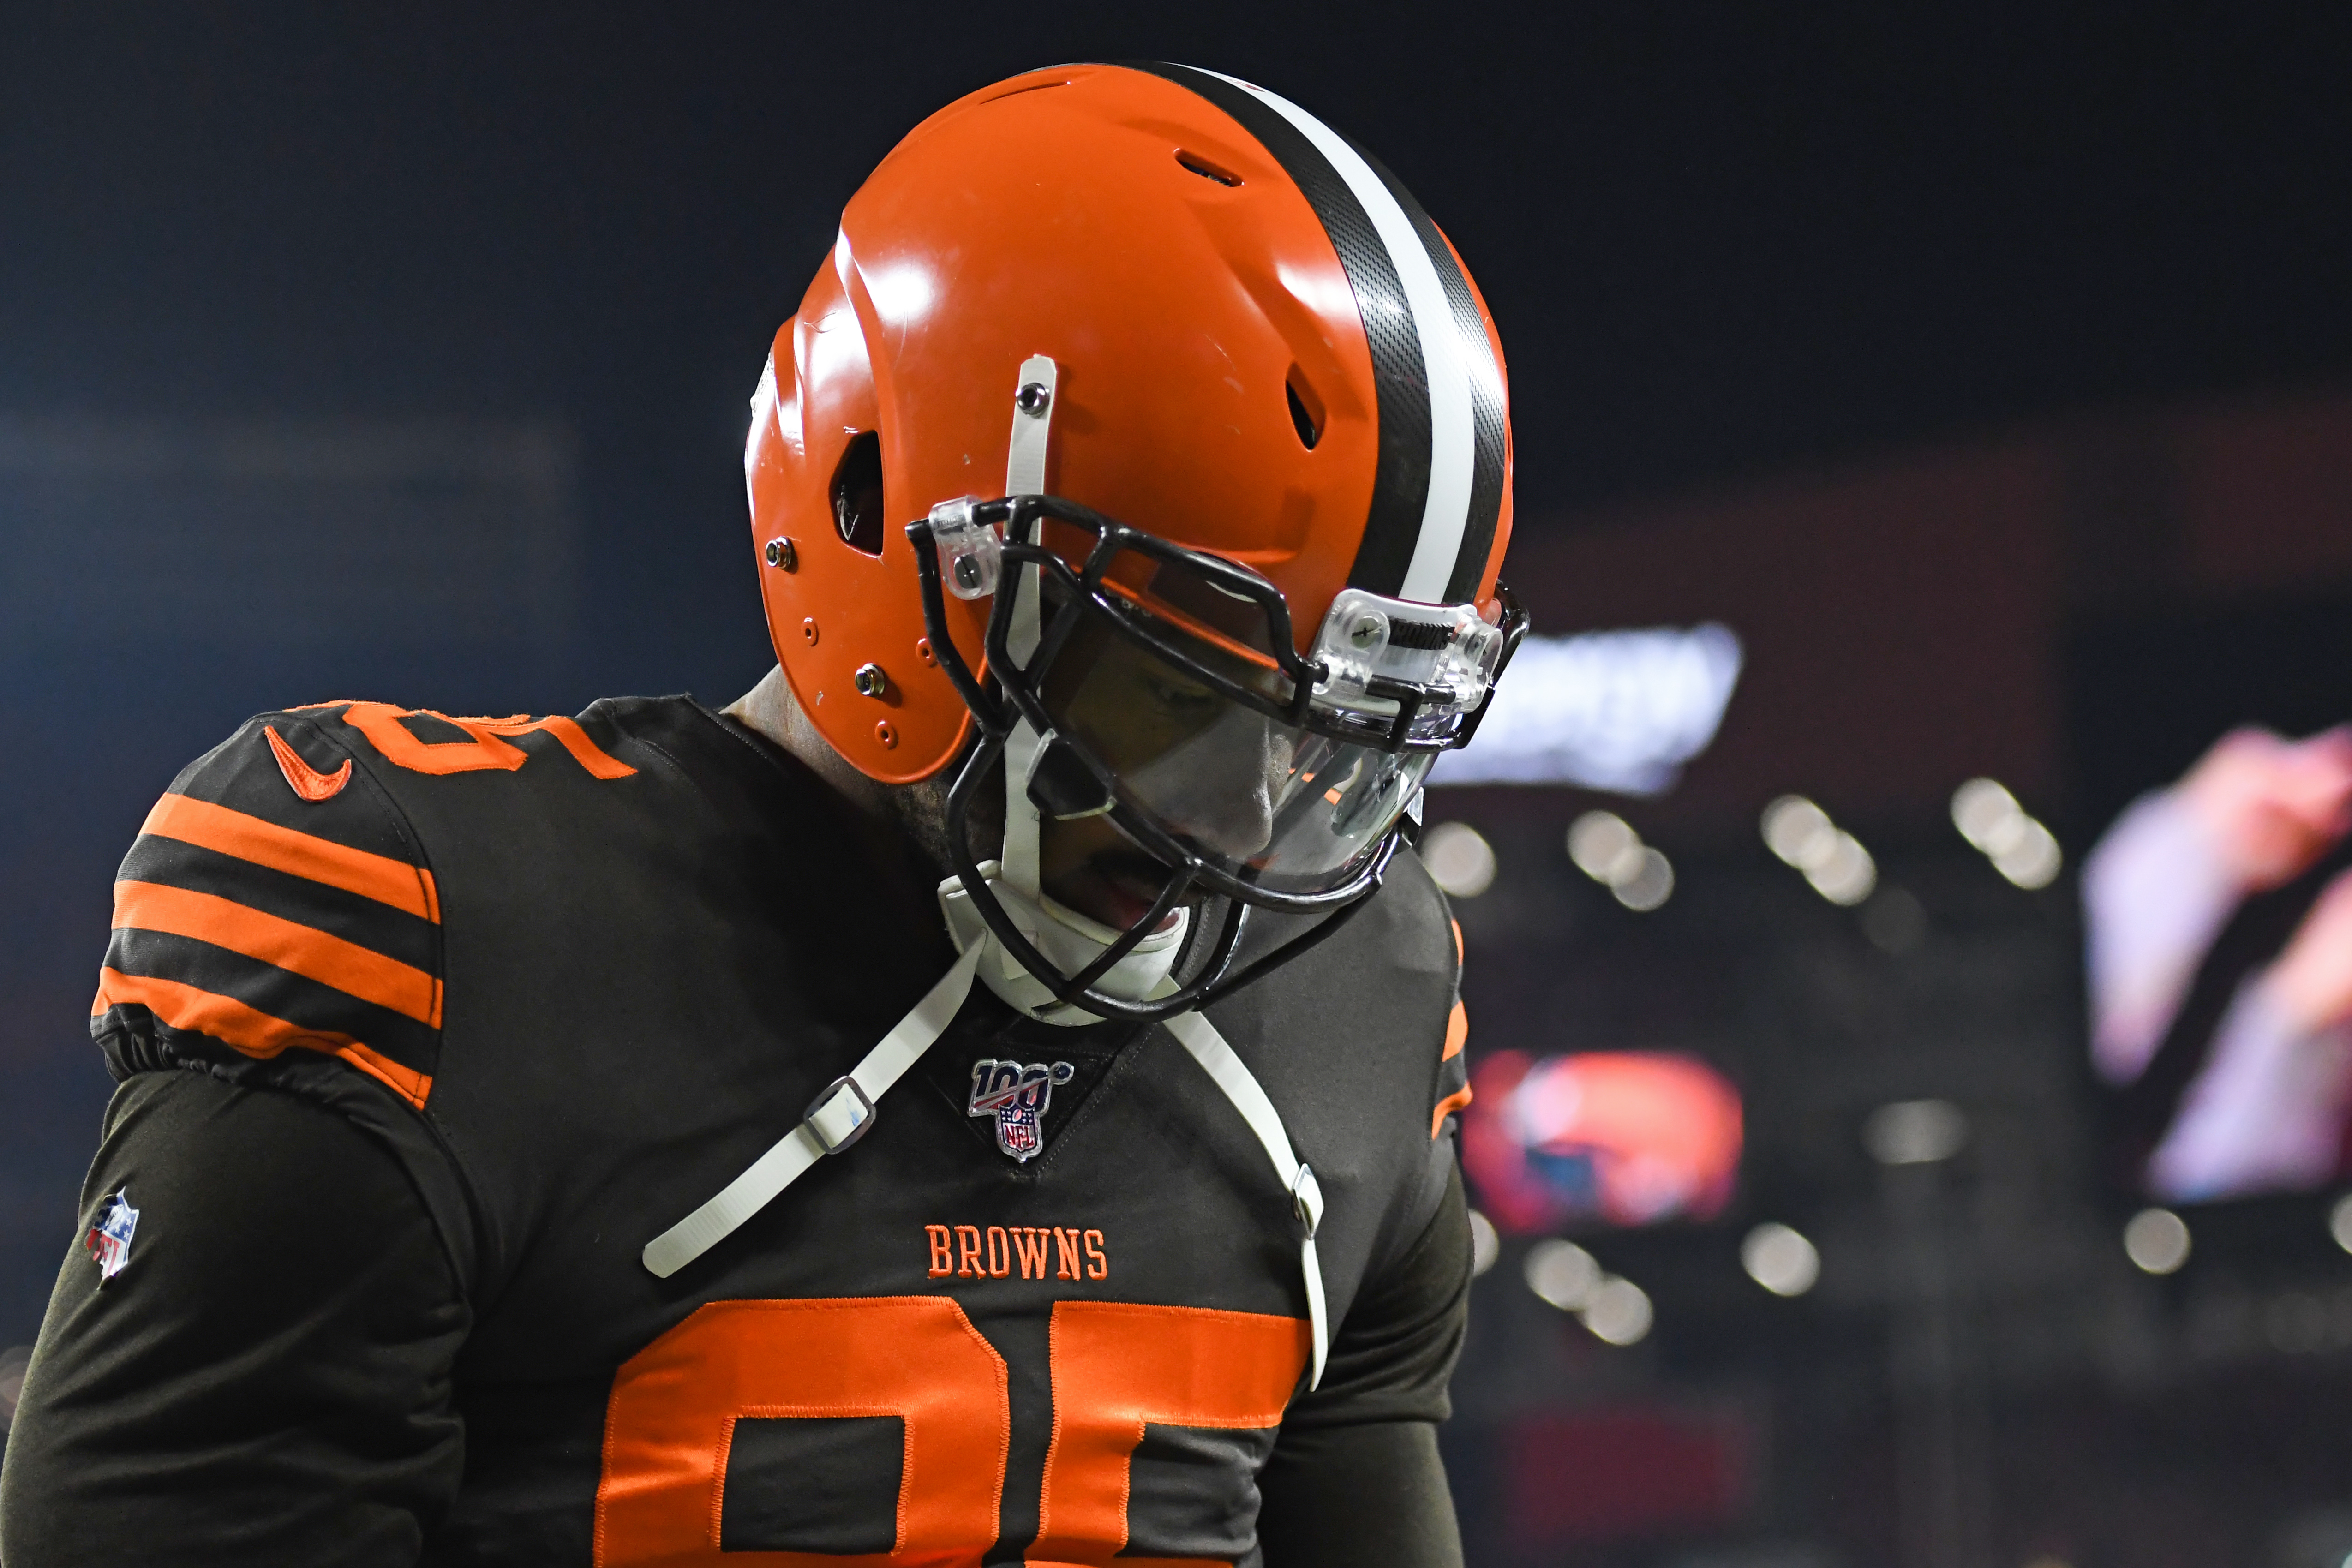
1608	1475
1627	1137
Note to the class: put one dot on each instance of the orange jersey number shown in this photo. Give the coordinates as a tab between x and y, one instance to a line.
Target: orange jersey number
485	745
1115	1367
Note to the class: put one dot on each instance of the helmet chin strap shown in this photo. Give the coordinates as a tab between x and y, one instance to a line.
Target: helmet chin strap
1068	940
1025	474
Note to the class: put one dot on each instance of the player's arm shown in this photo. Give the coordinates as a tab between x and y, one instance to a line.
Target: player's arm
266	1380
1355	1477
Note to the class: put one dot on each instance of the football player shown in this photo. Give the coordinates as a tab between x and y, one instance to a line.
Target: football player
985	1097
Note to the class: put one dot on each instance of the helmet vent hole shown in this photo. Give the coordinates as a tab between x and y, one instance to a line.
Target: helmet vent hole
1305	410
857	493
1032	86
1206	170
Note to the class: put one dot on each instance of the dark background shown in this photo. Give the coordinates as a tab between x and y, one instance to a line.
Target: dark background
1898	339
1719	239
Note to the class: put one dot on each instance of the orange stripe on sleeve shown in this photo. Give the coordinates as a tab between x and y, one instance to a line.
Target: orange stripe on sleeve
254	1032
1458	942
249	1029
306	951
378	877
1447	1107
1457	1033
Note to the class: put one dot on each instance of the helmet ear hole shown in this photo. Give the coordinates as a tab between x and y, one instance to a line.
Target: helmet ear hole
857	493
1306	409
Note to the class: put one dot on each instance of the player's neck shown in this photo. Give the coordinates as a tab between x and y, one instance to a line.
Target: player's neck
771	709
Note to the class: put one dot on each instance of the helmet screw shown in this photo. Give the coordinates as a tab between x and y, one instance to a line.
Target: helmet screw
1033	399
782	555
967	573
1366	630
870	681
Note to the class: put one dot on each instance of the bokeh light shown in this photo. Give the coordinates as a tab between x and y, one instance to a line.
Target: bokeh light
1781	1258
2156	1241
1459	858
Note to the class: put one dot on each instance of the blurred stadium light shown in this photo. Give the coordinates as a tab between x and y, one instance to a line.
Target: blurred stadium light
1459	858
1833	860
2156	1241
1561	1274
1486	1244
1606	848
1614	710
1781	1258
2019	849
1914	1133
1619	1311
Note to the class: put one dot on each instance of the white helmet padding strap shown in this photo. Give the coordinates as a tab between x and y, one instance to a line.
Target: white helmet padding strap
1067	938
1068	941
1024	475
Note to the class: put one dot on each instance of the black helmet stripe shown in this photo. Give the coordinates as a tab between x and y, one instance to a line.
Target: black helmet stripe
1488	410
1437	480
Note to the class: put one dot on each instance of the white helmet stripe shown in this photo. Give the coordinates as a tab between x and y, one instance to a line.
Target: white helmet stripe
1453	454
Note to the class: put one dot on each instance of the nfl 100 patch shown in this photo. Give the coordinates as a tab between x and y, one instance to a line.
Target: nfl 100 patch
1017	1094
109	1235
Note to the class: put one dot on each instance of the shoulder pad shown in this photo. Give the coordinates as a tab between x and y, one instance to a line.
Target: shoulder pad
277	898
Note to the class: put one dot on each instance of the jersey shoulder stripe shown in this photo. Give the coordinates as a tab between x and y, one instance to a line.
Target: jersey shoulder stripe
262	911
1453	1066
306	950
260	842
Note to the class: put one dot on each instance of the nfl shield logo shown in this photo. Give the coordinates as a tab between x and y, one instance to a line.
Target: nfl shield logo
109	1239
1017	1094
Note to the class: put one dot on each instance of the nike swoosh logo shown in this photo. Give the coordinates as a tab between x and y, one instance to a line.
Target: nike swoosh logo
307	782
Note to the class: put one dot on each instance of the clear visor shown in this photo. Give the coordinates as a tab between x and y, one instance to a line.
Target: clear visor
1290	810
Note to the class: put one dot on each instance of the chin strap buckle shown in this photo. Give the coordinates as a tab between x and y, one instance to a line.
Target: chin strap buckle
1306	1199
839	1116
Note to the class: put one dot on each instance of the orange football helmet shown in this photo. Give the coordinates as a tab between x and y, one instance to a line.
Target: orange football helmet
1250	416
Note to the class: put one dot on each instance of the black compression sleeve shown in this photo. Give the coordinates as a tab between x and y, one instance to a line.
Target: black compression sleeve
1347	1497
1355	1477
268	1379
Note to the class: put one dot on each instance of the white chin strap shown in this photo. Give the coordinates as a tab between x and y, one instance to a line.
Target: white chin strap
1067	940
